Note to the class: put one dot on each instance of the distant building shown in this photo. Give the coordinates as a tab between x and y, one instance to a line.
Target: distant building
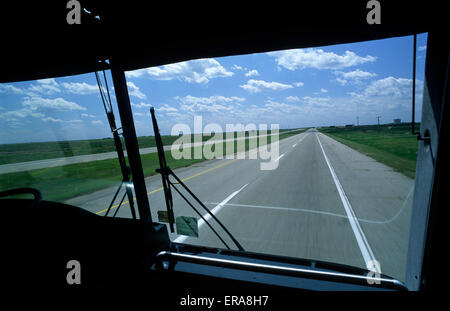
397	121
349	125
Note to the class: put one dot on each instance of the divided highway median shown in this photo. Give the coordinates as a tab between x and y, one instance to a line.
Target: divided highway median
59	183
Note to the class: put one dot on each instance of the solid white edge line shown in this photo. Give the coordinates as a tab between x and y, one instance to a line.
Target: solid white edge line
361	239
207	216
283	209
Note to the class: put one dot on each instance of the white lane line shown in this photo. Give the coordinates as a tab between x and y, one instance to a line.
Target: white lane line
293	146
363	244
280	157
283	209
301	139
207	216
287	151
252	153
303	210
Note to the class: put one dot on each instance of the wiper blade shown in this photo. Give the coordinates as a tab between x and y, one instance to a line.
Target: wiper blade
201	216
165	172
120	154
162	171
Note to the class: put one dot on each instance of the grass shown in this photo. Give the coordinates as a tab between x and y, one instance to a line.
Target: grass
393	145
63	182
16	153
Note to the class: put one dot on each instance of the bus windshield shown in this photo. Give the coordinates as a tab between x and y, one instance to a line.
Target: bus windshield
304	153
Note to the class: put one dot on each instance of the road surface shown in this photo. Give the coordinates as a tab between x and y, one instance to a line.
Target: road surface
324	201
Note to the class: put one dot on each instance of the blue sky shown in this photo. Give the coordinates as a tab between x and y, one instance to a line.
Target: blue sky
331	85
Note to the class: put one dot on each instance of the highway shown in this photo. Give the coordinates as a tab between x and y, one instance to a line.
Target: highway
324	201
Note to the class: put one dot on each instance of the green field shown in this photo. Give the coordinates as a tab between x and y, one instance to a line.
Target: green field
64	182
16	153
393	145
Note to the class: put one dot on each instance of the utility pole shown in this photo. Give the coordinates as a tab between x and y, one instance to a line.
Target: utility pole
378	118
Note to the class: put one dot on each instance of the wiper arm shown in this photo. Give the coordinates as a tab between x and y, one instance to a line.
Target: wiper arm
165	172
162	171
120	154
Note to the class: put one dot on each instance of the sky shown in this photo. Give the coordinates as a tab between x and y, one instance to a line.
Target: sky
313	87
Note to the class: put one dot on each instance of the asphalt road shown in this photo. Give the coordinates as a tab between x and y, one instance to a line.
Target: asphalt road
324	201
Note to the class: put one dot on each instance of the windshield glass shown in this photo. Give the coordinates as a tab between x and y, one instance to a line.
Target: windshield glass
306	153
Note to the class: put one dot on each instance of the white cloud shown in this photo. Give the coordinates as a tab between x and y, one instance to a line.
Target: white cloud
255	86
272	105
50	119
133	90
318	58
34	106
323	90
422	48
14	115
209	100
353	76
198	107
341	81
387	94
208	104
85	115
323	102
141	105
251	73
49	81
136	73
292	99
49	87
390	86
99	122
59	104
11	89
167	108
236	67
174	114
356	74
82	88
298	84
194	71
45	86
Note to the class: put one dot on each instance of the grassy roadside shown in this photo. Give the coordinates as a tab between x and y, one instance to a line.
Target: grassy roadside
63	182
15	153
388	144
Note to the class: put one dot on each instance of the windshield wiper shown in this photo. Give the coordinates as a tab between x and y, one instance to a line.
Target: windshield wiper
165	172
120	154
